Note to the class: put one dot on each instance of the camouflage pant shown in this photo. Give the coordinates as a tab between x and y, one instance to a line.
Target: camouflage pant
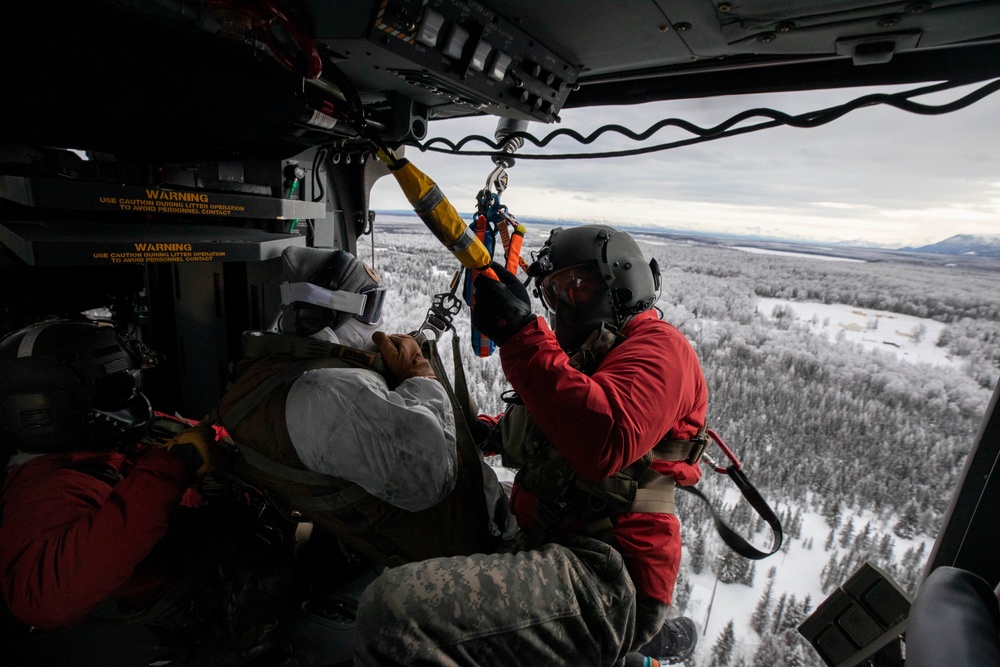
562	604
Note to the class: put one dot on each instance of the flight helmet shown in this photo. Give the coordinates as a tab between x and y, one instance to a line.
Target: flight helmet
68	385
324	288
591	276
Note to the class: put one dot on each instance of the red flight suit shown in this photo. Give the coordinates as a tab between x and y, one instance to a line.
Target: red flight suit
648	386
69	540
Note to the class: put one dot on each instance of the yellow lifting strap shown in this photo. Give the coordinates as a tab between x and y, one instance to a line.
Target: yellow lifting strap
438	214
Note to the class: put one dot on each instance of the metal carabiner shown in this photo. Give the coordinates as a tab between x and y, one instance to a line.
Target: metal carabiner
725	450
497	180
444	307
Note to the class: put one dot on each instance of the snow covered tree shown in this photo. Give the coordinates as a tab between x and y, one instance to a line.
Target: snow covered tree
698	555
847	534
797	657
887	548
682	593
863	540
795	523
768	654
830	539
722	651
731	568
794	614
908	522
779	613
762	612
749	573
830	575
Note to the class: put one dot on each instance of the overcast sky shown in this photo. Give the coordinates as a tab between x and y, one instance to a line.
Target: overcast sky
879	174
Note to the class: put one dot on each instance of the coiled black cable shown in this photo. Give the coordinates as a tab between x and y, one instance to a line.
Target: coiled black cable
726	128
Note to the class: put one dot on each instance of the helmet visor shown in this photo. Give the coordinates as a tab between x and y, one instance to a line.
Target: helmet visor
575	286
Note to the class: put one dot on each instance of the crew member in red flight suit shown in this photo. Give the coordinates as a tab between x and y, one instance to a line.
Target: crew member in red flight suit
83	504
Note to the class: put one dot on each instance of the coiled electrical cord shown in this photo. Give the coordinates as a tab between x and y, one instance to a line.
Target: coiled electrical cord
726	128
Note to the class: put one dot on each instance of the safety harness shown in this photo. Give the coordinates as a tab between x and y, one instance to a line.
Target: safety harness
565	499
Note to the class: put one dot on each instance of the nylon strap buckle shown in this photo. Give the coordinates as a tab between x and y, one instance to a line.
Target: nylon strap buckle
699	444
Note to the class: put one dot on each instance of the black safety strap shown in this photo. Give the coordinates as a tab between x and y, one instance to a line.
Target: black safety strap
733	539
459	394
345	497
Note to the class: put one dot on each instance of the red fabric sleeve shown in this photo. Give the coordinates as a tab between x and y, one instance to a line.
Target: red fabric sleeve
69	541
649	383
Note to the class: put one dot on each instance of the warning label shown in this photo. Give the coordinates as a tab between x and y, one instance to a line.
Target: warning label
159	253
167	201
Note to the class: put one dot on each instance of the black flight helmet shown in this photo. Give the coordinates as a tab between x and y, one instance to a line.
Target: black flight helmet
67	385
591	276
323	288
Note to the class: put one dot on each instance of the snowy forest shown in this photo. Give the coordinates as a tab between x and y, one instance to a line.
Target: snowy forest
857	450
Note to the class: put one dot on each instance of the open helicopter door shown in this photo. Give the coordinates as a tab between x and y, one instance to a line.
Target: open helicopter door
864	620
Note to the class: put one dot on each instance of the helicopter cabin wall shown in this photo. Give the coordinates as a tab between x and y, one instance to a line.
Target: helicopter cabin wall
66	252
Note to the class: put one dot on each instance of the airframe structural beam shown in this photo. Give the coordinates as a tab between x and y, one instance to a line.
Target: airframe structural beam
967	539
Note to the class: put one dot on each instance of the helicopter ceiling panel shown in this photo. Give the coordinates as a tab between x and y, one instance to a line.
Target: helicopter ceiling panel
220	78
446	53
632	51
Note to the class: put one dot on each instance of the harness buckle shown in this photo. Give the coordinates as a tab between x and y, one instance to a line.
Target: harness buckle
699	444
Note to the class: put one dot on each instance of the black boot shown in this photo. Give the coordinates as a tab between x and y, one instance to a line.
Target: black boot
674	643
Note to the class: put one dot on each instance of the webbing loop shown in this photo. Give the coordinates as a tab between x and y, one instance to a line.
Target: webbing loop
732	539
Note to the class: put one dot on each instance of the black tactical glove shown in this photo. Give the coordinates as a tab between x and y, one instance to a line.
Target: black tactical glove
501	308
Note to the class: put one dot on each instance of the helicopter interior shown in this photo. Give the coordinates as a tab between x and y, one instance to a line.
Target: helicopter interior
218	132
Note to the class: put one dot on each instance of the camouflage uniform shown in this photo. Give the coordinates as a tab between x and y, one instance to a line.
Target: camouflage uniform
570	602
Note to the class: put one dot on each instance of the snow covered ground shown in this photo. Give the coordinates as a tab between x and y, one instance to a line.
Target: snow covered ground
787	253
912	339
797	572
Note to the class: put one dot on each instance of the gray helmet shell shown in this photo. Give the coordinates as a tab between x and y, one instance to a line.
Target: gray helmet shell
331	269
629	279
618	258
69	385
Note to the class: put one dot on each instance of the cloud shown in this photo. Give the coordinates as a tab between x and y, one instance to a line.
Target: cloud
877	173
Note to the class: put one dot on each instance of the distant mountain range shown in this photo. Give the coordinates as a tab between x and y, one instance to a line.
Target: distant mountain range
981	245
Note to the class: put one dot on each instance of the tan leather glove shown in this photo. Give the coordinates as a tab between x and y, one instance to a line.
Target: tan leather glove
197	447
402	356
